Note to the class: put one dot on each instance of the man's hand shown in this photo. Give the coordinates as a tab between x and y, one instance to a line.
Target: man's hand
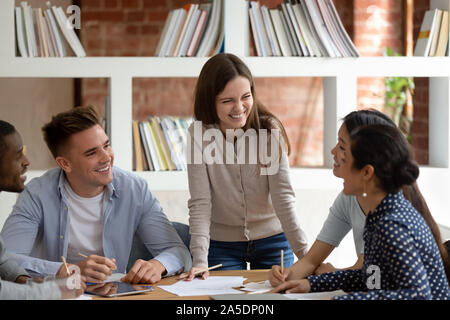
22	279
95	268
145	272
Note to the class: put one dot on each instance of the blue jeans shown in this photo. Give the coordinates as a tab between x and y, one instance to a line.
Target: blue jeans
262	253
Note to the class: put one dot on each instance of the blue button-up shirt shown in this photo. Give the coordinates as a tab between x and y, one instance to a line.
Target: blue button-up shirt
36	232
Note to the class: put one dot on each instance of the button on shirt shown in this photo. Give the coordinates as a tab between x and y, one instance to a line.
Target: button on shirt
36	232
234	202
399	246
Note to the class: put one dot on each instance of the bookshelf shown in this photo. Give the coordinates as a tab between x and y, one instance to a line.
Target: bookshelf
340	90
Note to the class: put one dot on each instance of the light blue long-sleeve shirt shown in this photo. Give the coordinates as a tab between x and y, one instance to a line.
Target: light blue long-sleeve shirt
36	232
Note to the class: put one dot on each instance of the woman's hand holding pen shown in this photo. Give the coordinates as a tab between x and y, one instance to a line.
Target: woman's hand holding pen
197	272
277	277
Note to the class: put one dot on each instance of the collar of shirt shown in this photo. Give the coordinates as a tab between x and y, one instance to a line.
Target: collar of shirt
111	190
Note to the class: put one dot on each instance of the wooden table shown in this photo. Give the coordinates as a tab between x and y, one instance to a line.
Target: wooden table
160	294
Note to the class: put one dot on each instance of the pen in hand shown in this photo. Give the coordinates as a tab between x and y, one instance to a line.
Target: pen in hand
185	275
65	265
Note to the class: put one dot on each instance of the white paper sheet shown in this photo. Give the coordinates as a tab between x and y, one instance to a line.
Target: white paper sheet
211	286
115	277
83	297
257	286
314	295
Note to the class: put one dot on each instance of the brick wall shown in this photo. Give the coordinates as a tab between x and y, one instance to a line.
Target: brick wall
133	27
377	25
420	123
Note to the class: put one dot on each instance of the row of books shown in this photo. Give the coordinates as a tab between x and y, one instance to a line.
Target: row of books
45	32
159	143
194	30
433	40
305	28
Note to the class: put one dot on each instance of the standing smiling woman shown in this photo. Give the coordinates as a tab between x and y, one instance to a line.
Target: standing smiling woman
237	213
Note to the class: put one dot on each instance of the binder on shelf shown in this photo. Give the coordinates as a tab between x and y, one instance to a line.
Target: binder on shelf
199	29
297	33
144	140
162	144
212	31
427	30
273	40
39	36
29	29
312	28
58	37
150	151
256	35
442	43
343	33
68	32
291	30
190	10
189	32
157	146
20	33
194	30
280	32
159	143
162	43
44	32
303	26
137	151
435	36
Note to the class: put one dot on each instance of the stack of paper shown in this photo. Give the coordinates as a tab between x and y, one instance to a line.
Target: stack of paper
210	286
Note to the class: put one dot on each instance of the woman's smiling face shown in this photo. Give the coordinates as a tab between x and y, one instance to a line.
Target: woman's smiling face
234	103
343	164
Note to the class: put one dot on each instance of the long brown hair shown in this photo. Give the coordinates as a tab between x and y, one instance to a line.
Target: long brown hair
413	194
215	74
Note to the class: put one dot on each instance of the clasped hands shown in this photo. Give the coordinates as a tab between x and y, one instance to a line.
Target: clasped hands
97	269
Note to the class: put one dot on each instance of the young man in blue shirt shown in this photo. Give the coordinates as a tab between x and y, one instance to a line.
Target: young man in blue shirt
89	211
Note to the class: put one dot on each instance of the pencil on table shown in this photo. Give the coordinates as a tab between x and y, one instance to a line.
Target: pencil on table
65	265
184	275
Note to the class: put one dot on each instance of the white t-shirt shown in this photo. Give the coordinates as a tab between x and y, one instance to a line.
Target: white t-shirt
85	225
345	215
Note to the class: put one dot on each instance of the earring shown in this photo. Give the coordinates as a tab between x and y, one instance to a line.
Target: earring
364	195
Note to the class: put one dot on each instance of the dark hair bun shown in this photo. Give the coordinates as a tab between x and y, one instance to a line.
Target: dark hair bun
405	173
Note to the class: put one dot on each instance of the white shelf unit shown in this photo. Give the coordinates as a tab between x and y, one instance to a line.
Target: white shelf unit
340	90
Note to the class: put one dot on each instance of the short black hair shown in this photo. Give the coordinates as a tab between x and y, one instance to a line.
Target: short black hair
6	129
387	150
58	131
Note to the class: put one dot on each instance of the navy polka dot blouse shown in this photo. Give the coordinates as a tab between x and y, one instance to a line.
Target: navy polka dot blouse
401	261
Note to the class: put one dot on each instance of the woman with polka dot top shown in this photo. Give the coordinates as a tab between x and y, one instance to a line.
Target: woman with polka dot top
402	259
